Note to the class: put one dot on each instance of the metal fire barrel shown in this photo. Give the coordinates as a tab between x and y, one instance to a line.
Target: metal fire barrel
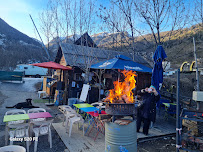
120	138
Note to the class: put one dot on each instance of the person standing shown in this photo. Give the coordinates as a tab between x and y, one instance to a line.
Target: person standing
146	110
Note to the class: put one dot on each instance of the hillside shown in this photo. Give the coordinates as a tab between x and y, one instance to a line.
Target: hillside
178	49
18	48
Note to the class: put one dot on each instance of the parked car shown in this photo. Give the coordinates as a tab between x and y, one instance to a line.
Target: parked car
30	70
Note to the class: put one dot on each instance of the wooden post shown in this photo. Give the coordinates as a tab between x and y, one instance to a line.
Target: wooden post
65	78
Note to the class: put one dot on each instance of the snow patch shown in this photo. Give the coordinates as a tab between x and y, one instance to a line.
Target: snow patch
2	35
77	36
1	42
36	40
101	34
23	43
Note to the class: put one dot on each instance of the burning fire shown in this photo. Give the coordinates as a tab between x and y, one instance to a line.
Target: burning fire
123	90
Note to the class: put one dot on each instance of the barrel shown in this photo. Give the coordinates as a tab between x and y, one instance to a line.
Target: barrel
120	138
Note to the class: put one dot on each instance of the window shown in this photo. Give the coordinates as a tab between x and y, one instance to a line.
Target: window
25	67
77	77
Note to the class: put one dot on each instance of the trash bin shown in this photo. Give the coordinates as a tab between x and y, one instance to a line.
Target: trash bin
120	138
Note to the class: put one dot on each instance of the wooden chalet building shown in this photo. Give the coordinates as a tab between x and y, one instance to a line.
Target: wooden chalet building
81	57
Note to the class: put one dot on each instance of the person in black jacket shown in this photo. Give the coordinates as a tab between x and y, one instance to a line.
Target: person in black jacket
146	111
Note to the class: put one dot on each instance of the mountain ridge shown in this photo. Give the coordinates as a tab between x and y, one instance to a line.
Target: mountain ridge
18	48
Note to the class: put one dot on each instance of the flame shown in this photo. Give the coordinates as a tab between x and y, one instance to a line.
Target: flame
123	90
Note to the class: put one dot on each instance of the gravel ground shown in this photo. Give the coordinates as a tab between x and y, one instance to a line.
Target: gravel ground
13	93
164	144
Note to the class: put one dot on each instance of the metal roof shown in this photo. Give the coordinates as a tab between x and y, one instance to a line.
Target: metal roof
77	55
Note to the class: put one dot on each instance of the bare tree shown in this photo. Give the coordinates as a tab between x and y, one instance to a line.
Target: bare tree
162	15
198	11
115	22
47	19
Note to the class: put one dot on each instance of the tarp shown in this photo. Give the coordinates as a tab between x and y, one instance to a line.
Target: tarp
123	63
157	73
51	65
11	76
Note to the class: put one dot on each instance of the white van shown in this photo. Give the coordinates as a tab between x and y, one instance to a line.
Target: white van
30	70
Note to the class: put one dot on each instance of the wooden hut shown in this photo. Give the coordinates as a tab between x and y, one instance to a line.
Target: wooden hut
81	57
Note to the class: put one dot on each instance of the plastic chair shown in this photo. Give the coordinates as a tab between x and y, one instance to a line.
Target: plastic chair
37	110
13	112
19	131
12	148
97	104
160	102
76	119
170	111
42	128
67	112
63	107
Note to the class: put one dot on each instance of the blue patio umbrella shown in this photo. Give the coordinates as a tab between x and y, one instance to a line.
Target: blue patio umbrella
123	63
157	72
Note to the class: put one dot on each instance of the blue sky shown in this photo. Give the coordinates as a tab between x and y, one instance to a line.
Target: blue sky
16	14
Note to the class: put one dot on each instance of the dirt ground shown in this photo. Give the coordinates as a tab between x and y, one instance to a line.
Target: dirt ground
164	144
12	93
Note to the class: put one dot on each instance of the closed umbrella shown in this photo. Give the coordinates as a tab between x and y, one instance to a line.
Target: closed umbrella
157	72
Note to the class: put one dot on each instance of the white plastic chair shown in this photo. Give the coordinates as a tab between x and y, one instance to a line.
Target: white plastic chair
37	110
16	112
63	107
12	148
76	119
13	112
99	105
42	128
19	131
67	111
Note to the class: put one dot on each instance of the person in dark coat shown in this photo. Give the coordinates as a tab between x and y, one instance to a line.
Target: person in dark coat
146	110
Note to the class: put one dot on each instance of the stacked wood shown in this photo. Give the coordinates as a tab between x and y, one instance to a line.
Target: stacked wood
122	122
191	126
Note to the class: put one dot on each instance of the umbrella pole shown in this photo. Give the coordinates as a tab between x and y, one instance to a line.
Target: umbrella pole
60	75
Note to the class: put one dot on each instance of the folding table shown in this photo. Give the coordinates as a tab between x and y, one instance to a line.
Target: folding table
8	118
39	115
97	123
82	105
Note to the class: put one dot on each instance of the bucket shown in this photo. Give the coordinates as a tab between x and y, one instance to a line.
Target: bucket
72	101
120	138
